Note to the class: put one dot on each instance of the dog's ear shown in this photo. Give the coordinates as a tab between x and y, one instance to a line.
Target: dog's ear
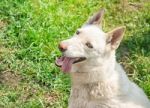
96	19
115	36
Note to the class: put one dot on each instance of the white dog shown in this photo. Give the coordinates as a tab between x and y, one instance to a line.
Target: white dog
98	81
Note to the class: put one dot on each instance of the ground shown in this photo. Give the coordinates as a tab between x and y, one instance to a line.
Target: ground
29	34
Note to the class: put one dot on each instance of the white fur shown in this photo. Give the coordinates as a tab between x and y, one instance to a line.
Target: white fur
99	81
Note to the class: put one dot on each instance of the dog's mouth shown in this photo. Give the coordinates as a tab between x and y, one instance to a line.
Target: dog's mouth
66	62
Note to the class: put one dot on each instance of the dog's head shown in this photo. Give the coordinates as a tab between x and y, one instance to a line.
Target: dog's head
89	45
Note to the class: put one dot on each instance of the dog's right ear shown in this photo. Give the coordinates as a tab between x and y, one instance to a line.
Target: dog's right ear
97	18
115	36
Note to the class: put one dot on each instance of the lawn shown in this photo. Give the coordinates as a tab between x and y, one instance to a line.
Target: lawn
30	31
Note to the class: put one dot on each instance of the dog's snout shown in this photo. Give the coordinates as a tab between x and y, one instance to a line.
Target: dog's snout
62	47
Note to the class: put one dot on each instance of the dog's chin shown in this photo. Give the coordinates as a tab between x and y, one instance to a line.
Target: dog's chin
66	63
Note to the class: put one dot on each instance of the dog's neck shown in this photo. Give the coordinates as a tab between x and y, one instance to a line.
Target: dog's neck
102	72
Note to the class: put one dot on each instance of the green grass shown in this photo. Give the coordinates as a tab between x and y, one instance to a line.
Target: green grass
30	31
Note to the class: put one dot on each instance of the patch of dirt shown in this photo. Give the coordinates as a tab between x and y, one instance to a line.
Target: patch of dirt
31	92
28	92
126	5
51	97
2	24
9	78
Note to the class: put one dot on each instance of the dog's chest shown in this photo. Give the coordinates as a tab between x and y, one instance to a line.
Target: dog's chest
94	91
91	95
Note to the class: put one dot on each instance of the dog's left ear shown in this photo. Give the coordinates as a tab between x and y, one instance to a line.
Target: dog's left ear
115	36
97	18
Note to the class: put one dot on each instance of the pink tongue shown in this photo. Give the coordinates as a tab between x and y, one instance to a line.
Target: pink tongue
67	64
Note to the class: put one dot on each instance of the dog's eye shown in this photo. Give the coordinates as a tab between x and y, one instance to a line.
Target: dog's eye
77	32
89	45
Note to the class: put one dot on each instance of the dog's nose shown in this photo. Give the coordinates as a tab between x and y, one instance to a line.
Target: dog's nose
62	47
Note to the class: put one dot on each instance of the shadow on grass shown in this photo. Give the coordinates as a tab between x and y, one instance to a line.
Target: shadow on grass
138	43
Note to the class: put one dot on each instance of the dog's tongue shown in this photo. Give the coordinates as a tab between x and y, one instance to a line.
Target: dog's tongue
65	63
